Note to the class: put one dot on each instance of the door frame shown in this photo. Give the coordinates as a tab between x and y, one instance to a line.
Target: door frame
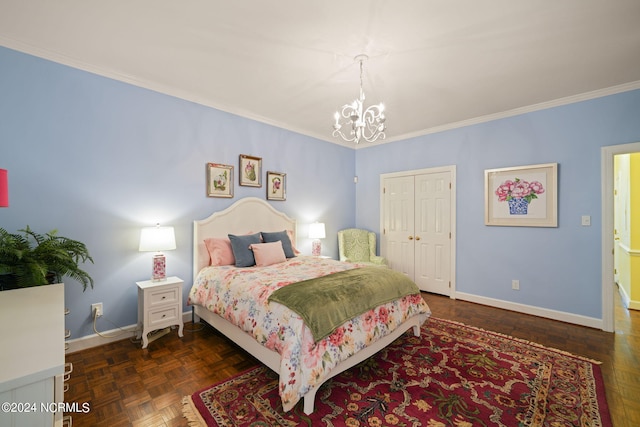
607	177
452	171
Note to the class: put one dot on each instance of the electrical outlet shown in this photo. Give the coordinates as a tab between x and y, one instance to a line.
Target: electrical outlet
96	309
515	285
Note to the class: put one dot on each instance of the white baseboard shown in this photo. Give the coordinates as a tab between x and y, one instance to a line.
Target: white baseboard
95	340
625	298
562	316
627	301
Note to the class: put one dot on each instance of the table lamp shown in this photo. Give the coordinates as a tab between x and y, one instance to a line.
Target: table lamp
157	239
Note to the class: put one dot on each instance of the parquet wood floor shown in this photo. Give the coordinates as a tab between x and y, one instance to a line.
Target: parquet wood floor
127	386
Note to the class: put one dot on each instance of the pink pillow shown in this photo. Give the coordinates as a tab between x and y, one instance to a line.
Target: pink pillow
268	253
293	243
220	252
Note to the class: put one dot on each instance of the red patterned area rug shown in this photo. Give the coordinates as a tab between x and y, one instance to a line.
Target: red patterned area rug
452	375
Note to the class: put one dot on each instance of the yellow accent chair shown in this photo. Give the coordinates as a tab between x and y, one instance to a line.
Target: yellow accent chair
359	246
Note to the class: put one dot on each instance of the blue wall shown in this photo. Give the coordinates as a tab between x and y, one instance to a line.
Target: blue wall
98	159
558	268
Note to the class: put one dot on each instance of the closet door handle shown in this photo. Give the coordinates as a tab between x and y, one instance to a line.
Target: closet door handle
410	237
417	237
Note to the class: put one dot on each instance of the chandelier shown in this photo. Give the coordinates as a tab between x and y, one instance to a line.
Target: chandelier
364	124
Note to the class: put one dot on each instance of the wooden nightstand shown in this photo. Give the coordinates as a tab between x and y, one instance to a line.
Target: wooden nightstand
159	306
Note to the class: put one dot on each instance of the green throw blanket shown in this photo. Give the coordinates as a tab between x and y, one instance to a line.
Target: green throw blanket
327	302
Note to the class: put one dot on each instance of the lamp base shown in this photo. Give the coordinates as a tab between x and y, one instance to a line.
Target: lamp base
159	272
316	248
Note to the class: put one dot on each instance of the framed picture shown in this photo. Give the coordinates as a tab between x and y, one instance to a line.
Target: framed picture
276	186
219	180
523	196
250	171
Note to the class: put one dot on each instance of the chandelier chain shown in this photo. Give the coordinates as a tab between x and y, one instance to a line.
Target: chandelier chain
361	84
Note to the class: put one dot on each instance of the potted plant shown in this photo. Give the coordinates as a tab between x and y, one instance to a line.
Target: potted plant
30	259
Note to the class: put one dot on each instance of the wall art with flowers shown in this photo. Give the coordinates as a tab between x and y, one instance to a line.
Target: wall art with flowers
276	189
219	180
523	196
250	172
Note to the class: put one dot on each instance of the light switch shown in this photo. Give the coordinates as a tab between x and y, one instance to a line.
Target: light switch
586	220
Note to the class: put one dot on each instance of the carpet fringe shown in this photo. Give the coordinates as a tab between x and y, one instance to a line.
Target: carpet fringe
191	413
520	340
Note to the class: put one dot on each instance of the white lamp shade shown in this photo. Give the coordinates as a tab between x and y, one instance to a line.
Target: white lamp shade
316	230
157	239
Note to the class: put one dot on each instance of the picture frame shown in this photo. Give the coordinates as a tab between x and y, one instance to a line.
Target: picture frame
250	172
522	196
276	185
219	180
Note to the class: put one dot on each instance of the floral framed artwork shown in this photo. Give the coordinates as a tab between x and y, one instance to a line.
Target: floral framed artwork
523	196
250	171
276	186
219	180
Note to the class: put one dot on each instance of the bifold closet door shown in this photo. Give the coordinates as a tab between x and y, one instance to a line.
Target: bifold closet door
417	228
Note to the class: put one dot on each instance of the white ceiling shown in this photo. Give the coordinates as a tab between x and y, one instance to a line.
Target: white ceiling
435	64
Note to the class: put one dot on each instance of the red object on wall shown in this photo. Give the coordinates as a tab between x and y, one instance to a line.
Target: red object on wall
4	189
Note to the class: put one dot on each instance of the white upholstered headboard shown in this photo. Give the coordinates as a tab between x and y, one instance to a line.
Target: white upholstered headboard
250	214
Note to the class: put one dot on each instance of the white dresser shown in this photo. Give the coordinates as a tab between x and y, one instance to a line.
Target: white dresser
31	356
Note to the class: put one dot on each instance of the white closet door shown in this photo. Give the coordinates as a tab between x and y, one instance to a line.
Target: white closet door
433	232
399	221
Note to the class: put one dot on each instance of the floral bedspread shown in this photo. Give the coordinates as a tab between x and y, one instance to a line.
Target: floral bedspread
240	296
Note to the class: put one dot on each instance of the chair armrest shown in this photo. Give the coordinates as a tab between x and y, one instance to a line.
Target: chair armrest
378	260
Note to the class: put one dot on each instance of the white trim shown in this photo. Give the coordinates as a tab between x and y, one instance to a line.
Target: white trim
437	169
625	298
627	301
119	334
607	155
572	99
629	251
561	316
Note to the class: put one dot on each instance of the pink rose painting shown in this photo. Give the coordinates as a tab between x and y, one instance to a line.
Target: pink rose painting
518	194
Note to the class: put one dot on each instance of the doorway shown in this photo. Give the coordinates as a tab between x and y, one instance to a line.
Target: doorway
608	181
417	214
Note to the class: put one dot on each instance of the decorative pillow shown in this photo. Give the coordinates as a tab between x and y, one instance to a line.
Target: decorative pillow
242	250
268	253
293	245
220	252
280	236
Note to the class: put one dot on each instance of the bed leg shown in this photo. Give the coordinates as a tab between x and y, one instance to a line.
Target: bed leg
416	330
309	400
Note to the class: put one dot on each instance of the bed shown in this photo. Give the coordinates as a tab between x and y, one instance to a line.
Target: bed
280	338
